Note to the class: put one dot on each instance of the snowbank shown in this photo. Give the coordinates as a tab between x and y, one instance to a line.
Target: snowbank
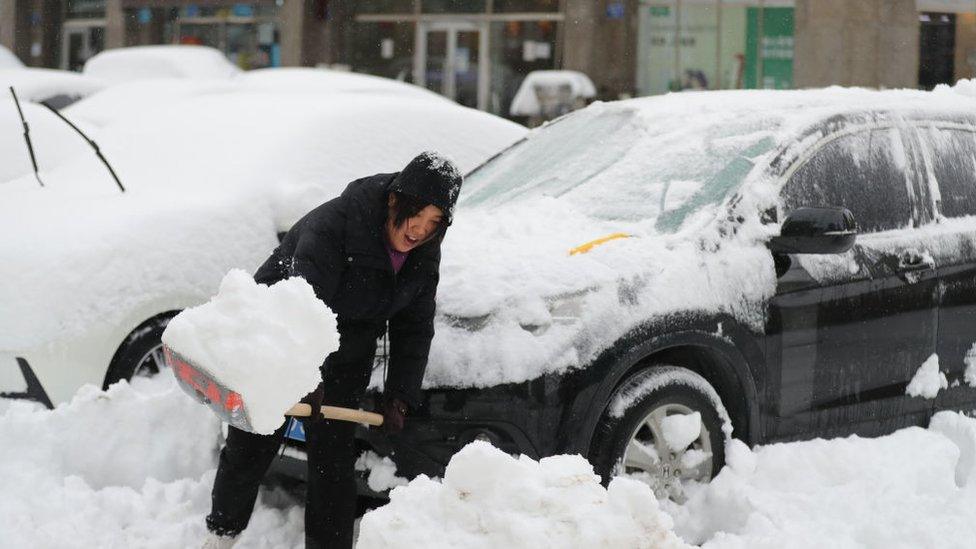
265	342
129	467
489	499
910	489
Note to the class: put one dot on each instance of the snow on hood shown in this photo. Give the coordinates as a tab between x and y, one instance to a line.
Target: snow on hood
73	261
168	61
131	100
54	142
514	304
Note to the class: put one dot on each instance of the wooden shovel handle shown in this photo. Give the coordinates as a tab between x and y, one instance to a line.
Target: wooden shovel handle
342	414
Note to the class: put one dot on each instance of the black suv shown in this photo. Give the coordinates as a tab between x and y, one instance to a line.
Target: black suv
870	269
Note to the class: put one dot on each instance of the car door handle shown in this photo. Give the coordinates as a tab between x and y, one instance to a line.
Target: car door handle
915	261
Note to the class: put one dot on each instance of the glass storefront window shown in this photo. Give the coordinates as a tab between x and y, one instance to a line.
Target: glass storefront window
84	9
453	6
518	48
385	6
713	45
384	49
525	6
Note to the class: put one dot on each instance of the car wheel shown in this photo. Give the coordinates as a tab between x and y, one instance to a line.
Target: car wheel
649	433
141	354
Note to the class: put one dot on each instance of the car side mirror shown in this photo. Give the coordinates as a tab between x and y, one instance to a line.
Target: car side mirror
810	230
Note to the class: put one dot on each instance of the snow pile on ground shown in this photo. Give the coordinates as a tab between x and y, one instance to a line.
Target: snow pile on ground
910	489
129	467
970	361
382	471
265	342
489	499
928	380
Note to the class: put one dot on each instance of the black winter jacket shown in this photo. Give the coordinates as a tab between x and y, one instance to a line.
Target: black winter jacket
339	249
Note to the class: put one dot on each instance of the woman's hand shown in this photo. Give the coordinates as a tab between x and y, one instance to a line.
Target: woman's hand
394	415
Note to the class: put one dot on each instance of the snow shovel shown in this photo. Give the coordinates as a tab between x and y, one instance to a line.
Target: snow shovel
229	405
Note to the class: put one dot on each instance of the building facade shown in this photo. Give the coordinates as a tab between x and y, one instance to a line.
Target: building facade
478	51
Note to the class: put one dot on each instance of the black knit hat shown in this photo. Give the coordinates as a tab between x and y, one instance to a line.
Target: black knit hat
431	178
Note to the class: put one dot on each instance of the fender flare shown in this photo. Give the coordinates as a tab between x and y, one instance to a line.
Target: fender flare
714	335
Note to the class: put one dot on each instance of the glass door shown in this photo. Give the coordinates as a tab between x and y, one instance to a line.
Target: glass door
450	61
80	43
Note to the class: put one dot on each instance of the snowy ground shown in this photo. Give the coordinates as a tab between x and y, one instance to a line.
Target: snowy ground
133	467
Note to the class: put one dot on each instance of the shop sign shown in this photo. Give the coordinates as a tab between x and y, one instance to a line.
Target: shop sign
660	11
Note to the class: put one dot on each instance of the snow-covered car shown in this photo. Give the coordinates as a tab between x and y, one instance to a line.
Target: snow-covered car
132	99
640	280
119	65
92	275
8	60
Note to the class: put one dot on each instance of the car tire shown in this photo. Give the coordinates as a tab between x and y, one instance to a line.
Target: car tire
629	436
141	354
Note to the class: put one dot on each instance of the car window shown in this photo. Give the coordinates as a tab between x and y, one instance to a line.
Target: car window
953	158
865	172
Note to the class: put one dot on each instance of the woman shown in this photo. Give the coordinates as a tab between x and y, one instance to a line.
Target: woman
372	255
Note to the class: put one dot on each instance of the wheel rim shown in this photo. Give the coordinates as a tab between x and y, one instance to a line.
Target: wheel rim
648	456
151	363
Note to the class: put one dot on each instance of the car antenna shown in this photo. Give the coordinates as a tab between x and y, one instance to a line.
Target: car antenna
30	147
91	142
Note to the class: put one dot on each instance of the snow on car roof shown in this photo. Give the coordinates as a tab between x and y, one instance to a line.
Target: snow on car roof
32	84
128	100
526	103
308	80
168	61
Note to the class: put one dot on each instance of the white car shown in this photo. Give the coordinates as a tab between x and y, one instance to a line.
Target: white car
8	60
92	274
128	100
169	61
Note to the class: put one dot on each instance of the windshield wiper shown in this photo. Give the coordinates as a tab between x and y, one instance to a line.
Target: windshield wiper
30	147
91	142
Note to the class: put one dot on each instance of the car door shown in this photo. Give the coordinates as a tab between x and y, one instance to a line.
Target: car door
847	332
949	150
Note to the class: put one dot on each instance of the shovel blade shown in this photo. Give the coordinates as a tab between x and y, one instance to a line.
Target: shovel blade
199	383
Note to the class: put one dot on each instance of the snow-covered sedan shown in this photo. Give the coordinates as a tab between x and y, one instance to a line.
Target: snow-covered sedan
640	280
93	274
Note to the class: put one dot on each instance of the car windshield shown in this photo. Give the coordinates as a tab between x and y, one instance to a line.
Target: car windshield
615	164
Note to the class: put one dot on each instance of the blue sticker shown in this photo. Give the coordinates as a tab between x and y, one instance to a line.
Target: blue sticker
296	431
145	16
615	10
243	10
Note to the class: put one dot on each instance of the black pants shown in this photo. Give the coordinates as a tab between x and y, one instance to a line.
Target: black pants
330	500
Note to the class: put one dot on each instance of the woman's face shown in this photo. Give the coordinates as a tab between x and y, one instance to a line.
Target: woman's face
414	231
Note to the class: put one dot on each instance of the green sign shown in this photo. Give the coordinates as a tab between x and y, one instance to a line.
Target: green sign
774	48
660	11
